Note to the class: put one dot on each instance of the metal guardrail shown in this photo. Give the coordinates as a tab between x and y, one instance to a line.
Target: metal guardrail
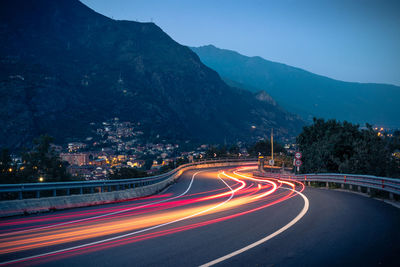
81	187
390	185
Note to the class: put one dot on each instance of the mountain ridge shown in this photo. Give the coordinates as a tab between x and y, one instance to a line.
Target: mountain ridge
289	66
305	93
64	66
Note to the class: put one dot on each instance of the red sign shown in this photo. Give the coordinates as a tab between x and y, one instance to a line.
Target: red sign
298	163
298	155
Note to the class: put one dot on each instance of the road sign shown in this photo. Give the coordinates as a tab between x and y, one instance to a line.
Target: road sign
298	163
298	155
271	162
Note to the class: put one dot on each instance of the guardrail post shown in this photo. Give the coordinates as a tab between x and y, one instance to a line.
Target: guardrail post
38	194
351	187
342	186
359	188
327	185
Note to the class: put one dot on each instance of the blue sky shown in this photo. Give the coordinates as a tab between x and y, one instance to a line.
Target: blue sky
349	40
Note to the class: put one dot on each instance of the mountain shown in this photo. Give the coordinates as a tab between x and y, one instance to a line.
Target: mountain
305	93
64	66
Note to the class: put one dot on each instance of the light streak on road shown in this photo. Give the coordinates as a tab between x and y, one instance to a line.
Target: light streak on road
123	224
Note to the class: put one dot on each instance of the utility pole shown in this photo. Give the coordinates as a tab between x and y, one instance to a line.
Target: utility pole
272	145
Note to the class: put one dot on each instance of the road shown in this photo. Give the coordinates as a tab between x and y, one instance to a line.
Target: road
222	217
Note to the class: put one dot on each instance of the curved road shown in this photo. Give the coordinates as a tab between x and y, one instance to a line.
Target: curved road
222	217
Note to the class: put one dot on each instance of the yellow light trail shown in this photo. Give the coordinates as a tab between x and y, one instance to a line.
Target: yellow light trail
198	206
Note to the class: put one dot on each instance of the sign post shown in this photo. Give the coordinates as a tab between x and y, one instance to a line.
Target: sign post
260	163
297	161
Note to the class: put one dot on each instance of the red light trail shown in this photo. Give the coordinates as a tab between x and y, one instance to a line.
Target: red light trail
105	227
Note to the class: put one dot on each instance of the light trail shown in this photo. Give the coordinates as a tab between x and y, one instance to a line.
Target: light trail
116	237
265	239
129	225
107	214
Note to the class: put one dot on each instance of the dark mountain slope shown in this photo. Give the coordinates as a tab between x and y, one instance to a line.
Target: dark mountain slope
62	66
306	93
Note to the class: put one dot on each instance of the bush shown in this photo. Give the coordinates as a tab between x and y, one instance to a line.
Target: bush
333	146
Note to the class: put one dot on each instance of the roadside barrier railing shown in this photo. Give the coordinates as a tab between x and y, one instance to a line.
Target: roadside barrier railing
98	186
390	185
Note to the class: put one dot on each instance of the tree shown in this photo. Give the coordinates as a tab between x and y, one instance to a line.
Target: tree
5	160
263	148
331	146
148	163
216	152
127	173
7	169
42	162
234	150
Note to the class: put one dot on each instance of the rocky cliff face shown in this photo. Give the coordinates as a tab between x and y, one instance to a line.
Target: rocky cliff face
62	66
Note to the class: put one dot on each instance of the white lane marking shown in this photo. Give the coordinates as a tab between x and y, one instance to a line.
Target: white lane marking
103	215
265	239
128	234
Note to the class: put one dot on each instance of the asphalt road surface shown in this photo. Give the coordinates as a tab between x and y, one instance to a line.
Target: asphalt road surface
222	217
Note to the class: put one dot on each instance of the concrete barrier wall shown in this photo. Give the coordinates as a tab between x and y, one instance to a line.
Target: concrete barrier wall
35	205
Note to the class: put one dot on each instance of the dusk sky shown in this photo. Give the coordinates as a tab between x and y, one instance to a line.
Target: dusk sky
346	40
